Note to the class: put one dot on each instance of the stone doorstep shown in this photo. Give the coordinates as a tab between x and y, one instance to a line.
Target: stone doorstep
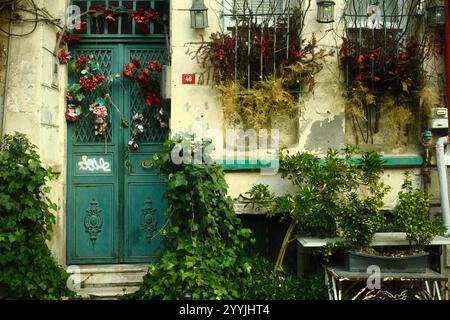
113	268
111	293
109	281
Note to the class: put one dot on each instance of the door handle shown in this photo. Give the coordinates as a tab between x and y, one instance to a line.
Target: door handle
146	164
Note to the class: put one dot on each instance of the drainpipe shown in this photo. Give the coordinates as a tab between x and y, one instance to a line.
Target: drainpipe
447	57
443	186
443	142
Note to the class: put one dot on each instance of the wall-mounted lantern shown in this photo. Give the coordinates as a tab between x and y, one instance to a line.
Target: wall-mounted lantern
436	14
325	11
199	15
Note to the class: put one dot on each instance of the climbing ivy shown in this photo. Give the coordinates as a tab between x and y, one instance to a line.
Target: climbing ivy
207	248
27	269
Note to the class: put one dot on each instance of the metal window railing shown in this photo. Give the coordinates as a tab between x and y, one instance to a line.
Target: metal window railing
395	21
123	24
265	32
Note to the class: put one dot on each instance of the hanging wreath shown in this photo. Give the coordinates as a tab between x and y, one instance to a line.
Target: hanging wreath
90	81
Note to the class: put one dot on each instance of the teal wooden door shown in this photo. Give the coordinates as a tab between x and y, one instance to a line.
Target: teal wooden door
115	203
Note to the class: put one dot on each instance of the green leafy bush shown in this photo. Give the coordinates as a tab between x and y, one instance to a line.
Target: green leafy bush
27	269
265	284
412	215
325	186
206	253
336	193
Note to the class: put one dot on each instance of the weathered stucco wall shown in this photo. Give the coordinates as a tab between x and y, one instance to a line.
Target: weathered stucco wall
321	124
35	104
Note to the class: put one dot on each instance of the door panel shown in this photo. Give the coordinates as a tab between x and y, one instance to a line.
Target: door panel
115	211
95	222
144	221
144	189
92	175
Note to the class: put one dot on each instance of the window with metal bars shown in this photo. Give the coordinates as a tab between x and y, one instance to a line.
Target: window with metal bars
382	58
383	25
109	18
374	14
266	33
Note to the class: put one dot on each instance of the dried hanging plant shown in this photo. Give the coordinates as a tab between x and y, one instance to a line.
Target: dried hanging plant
384	67
260	67
255	107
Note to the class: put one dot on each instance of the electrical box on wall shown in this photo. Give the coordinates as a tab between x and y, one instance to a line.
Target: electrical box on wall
438	118
166	81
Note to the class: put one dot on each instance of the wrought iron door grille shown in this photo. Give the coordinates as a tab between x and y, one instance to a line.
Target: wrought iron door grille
84	128
153	130
123	23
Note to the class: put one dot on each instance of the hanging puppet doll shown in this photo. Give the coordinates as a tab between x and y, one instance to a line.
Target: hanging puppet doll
374	16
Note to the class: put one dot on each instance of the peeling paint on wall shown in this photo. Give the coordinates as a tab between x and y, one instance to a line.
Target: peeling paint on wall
326	134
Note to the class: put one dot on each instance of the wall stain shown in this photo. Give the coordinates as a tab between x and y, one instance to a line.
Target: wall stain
327	134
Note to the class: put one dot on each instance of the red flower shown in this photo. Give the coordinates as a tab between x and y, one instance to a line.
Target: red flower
146	72
130	67
229	42
152	14
127	74
139	16
360	59
300	55
110	16
100	78
265	47
64	56
411	45
142	81
71	115
67	38
136	61
88	84
81	61
154	65
152	99
221	54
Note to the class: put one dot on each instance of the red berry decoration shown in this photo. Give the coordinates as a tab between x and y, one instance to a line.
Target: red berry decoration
88	84
100	78
154	65
127	74
81	61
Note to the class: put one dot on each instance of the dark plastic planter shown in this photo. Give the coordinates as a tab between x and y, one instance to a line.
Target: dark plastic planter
359	262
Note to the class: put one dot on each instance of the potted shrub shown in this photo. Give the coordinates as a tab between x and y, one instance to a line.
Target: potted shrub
411	216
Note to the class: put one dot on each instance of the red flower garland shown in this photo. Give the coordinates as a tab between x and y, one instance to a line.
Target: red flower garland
146	78
140	16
